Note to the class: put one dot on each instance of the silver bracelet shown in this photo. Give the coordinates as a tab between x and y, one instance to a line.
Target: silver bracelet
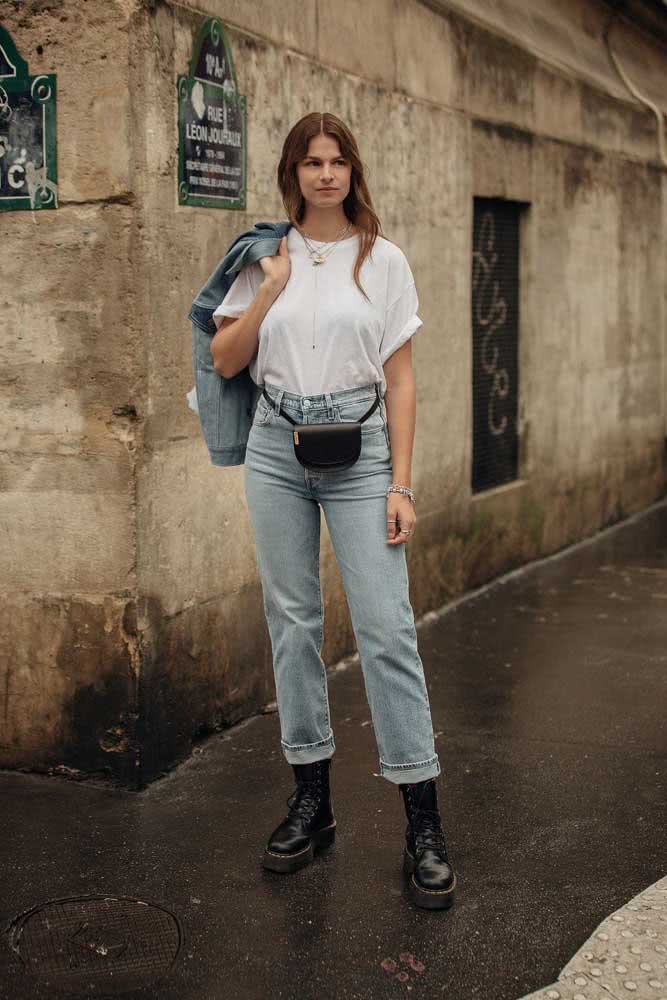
401	489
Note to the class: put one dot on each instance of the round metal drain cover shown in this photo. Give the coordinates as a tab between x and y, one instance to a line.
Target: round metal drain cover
104	944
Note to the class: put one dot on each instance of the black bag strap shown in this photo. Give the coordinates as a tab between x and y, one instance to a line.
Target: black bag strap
296	424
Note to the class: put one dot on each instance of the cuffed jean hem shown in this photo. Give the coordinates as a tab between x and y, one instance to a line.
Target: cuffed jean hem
401	773
307	753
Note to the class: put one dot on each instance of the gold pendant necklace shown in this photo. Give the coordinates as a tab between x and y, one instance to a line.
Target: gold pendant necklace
319	257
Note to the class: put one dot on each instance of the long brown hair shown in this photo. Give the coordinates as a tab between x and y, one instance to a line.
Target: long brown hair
357	206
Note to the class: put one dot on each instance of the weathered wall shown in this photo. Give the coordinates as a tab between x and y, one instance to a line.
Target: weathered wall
445	107
71	379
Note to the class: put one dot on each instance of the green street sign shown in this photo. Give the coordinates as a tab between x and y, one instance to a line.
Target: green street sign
212	129
28	171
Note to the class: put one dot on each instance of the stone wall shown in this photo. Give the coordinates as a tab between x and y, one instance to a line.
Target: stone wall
72	408
133	612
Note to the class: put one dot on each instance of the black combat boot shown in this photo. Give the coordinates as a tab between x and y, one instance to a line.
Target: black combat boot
309	824
425	860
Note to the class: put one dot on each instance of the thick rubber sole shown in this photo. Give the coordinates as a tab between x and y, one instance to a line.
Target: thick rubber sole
319	840
429	899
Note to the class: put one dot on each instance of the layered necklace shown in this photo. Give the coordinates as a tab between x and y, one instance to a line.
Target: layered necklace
319	256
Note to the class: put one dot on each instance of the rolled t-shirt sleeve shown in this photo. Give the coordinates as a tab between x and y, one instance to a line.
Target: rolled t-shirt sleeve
240	294
402	321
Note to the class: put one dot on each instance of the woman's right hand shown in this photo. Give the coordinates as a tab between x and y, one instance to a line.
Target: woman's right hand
277	268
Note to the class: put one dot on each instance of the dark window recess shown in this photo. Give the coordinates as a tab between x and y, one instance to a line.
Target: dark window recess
495	335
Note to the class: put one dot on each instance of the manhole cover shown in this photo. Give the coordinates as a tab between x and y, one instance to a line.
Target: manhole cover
88	942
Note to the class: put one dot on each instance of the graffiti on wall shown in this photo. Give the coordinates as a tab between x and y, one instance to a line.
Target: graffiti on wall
495	347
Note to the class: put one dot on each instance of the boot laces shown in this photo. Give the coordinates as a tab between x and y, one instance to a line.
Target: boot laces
427	831
305	799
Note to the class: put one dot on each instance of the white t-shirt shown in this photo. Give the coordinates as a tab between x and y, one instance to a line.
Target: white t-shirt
321	305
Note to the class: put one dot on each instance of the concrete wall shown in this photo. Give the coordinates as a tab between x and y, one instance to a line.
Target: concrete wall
133	607
72	381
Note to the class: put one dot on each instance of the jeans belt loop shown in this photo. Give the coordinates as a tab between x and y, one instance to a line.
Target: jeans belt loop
278	400
330	406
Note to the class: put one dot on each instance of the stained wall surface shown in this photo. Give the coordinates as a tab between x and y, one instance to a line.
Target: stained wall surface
132	601
72	396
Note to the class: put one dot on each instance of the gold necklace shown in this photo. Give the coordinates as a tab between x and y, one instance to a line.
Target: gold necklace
320	256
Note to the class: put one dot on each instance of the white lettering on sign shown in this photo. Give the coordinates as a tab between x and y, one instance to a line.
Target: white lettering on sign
213	66
213	182
16	175
212	168
221	136
202	133
196	131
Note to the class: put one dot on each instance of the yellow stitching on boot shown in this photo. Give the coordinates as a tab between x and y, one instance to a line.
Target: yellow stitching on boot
295	854
422	888
435	891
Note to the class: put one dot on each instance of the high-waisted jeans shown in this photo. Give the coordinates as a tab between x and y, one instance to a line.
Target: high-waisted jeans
284	501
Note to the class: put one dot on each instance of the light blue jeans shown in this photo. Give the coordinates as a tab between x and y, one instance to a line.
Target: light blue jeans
284	501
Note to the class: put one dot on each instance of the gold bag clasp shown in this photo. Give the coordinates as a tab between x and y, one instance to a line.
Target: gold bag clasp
296	437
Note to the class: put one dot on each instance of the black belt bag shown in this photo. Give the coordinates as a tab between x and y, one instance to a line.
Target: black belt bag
327	447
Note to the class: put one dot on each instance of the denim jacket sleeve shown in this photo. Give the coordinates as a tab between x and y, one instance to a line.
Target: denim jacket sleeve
226	406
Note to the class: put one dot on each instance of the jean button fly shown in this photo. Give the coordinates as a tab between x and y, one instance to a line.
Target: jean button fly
306	403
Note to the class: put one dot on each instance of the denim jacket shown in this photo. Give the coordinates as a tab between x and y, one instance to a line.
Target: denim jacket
226	406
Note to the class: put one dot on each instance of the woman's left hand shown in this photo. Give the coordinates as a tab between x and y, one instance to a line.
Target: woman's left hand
400	514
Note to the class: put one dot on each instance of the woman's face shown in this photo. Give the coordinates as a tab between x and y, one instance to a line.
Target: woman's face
324	167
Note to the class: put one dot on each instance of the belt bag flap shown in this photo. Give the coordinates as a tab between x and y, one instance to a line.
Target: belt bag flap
321	446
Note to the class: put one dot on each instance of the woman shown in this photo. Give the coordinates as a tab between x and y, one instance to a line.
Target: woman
319	324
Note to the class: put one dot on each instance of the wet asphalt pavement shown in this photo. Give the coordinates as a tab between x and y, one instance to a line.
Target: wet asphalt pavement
547	691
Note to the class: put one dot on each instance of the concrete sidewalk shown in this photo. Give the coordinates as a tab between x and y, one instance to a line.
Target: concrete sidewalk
548	697
626	956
